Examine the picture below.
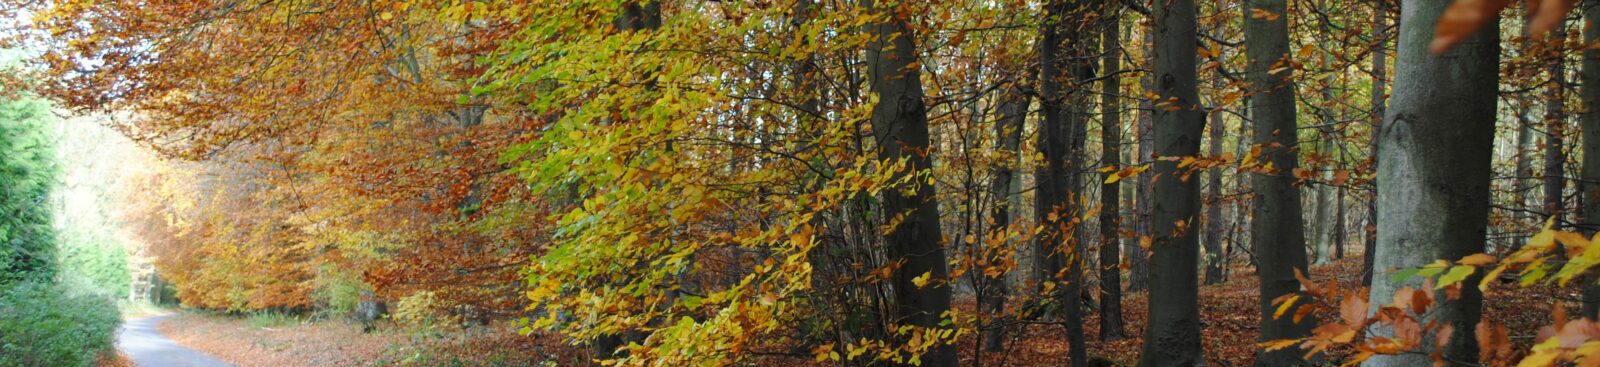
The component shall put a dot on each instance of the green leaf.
(1456, 275)
(1403, 275)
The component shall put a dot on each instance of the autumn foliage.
(724, 182)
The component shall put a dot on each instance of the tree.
(1111, 158)
(1173, 333)
(900, 127)
(1278, 230)
(1589, 125)
(1555, 124)
(1065, 66)
(1433, 193)
(26, 174)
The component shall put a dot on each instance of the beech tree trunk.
(1380, 77)
(1110, 208)
(900, 128)
(1008, 134)
(1172, 335)
(1214, 219)
(1434, 181)
(1519, 185)
(1555, 159)
(1064, 62)
(1278, 231)
(1589, 122)
(1138, 258)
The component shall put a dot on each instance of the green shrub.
(266, 319)
(48, 325)
(338, 292)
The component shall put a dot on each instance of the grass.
(271, 319)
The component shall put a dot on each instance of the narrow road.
(148, 348)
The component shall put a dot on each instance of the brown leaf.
(1461, 20)
(1354, 311)
(1546, 15)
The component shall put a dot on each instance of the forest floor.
(1229, 316)
(1228, 320)
(246, 342)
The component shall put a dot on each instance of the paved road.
(148, 348)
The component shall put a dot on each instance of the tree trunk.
(1278, 231)
(1436, 148)
(1214, 219)
(900, 128)
(1110, 208)
(1338, 223)
(1063, 59)
(1172, 335)
(1380, 56)
(1519, 185)
(1138, 258)
(1322, 224)
(1555, 159)
(1589, 120)
(1008, 135)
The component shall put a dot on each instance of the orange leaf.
(1461, 20)
(1476, 260)
(1546, 15)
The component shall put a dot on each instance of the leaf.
(1461, 19)
(1404, 274)
(1353, 310)
(1476, 260)
(1483, 284)
(1455, 276)
(1546, 15)
(1263, 14)
(922, 280)
(1285, 306)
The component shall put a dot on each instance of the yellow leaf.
(1284, 307)
(1483, 285)
(922, 281)
(1476, 260)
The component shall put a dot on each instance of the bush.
(271, 319)
(48, 325)
(421, 311)
(337, 292)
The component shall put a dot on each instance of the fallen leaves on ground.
(337, 343)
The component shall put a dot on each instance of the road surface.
(148, 348)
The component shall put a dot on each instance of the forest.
(801, 182)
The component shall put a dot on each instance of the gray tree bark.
(1110, 208)
(1172, 335)
(1589, 122)
(1434, 181)
(1215, 222)
(1278, 231)
(900, 128)
(1380, 77)
(1555, 119)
